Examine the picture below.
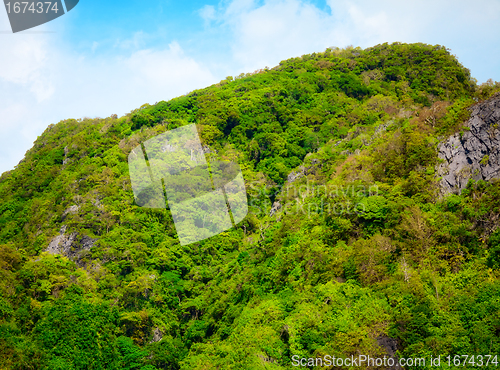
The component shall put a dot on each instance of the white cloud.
(23, 60)
(279, 29)
(41, 82)
(238, 7)
(168, 69)
(266, 33)
(207, 13)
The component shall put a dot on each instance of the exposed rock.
(73, 209)
(275, 208)
(391, 346)
(55, 243)
(473, 153)
(66, 152)
(206, 149)
(86, 242)
(157, 335)
(97, 203)
(303, 171)
(295, 175)
(383, 127)
(73, 246)
(267, 359)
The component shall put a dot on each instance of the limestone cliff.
(473, 153)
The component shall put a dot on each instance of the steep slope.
(474, 152)
(345, 250)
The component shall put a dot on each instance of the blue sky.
(107, 57)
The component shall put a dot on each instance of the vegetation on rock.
(359, 248)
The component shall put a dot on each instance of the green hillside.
(347, 246)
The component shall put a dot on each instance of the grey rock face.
(157, 335)
(294, 175)
(391, 347)
(73, 209)
(475, 154)
(72, 246)
(66, 159)
(304, 171)
(275, 208)
(206, 149)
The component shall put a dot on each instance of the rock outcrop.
(275, 208)
(73, 246)
(71, 210)
(304, 171)
(157, 335)
(390, 345)
(474, 153)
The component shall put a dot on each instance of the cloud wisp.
(44, 80)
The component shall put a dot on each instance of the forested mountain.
(352, 246)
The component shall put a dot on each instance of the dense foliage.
(358, 245)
